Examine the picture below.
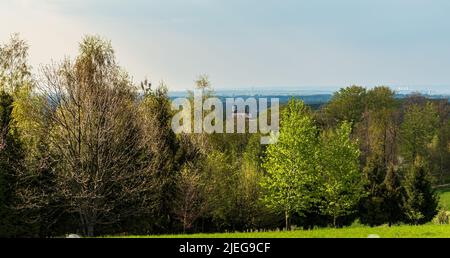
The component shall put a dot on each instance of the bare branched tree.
(190, 204)
(14, 68)
(94, 137)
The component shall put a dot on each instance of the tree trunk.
(90, 230)
(184, 223)
(287, 218)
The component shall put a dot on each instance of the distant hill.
(310, 97)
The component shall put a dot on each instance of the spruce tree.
(11, 160)
(5, 166)
(393, 196)
(420, 201)
(372, 210)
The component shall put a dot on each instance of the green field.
(358, 231)
(445, 198)
(424, 231)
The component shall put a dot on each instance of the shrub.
(443, 217)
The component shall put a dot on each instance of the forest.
(84, 149)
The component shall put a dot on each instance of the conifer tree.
(373, 205)
(421, 201)
(393, 196)
(7, 162)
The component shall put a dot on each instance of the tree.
(257, 215)
(14, 69)
(94, 137)
(190, 203)
(417, 130)
(291, 164)
(163, 156)
(232, 199)
(9, 161)
(420, 201)
(200, 141)
(15, 83)
(393, 196)
(380, 97)
(377, 130)
(372, 210)
(341, 179)
(383, 203)
(440, 152)
(348, 104)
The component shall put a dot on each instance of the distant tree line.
(85, 150)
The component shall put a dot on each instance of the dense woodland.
(83, 149)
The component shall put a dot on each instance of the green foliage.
(347, 104)
(81, 151)
(383, 203)
(421, 200)
(162, 154)
(6, 167)
(417, 130)
(380, 98)
(11, 166)
(440, 151)
(222, 174)
(373, 206)
(30, 120)
(393, 195)
(442, 218)
(291, 163)
(378, 129)
(341, 180)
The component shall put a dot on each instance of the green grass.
(445, 198)
(357, 231)
(424, 231)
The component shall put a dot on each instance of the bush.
(443, 217)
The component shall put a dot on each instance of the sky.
(315, 44)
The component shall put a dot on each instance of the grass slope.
(404, 231)
(424, 231)
(444, 198)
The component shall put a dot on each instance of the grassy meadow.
(356, 231)
(404, 231)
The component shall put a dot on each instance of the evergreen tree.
(12, 221)
(6, 167)
(421, 201)
(163, 157)
(373, 210)
(393, 196)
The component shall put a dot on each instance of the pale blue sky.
(250, 43)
